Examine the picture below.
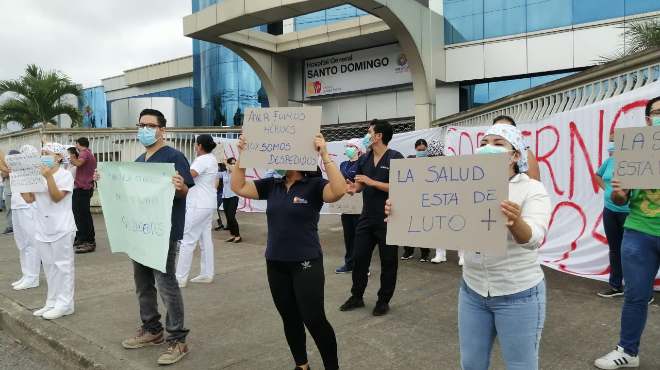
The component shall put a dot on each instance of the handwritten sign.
(25, 176)
(219, 152)
(348, 204)
(449, 202)
(637, 157)
(137, 207)
(281, 138)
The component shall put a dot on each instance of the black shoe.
(381, 309)
(7, 231)
(611, 293)
(651, 300)
(221, 227)
(352, 304)
(407, 256)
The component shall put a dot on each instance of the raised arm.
(239, 185)
(337, 184)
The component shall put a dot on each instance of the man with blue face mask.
(151, 134)
(349, 169)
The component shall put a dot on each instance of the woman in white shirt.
(504, 296)
(23, 221)
(230, 203)
(55, 230)
(200, 206)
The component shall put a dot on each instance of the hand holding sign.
(25, 175)
(637, 156)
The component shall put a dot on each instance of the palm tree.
(37, 97)
(638, 36)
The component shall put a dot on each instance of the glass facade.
(470, 20)
(94, 109)
(223, 83)
(476, 94)
(327, 16)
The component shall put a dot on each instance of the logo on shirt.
(384, 168)
(299, 200)
(306, 265)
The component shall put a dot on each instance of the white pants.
(57, 259)
(440, 252)
(199, 222)
(24, 237)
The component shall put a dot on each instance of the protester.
(353, 152)
(23, 223)
(504, 296)
(640, 259)
(527, 163)
(82, 194)
(372, 180)
(294, 259)
(151, 134)
(421, 151)
(73, 154)
(230, 203)
(614, 217)
(220, 185)
(200, 206)
(54, 232)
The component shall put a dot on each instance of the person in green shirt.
(640, 258)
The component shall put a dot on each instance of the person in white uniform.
(200, 206)
(22, 220)
(54, 232)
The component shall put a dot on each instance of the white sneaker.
(56, 313)
(182, 283)
(439, 259)
(40, 312)
(27, 285)
(616, 360)
(18, 281)
(202, 279)
(460, 261)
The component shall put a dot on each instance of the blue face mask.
(491, 149)
(350, 152)
(655, 121)
(421, 154)
(610, 147)
(366, 141)
(147, 136)
(48, 161)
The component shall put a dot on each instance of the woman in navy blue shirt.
(294, 259)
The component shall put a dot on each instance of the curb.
(55, 342)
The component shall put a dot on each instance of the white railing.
(569, 93)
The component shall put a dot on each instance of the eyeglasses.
(147, 125)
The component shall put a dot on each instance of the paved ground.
(234, 324)
(15, 356)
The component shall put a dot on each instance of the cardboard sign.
(637, 157)
(348, 204)
(219, 152)
(25, 176)
(449, 202)
(137, 208)
(281, 138)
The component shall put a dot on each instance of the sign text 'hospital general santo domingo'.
(357, 70)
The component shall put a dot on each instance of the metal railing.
(569, 93)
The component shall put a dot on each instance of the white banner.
(357, 70)
(570, 147)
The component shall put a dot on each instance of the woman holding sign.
(504, 296)
(200, 206)
(294, 259)
(55, 230)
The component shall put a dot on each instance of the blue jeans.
(516, 319)
(640, 256)
(613, 224)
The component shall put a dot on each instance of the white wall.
(125, 112)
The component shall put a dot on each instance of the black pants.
(219, 204)
(230, 205)
(298, 292)
(613, 223)
(349, 223)
(83, 216)
(367, 235)
(411, 250)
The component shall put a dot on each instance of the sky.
(90, 40)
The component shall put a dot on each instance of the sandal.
(238, 239)
(230, 240)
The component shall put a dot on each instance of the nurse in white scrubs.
(23, 222)
(200, 207)
(54, 232)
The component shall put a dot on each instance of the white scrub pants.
(24, 238)
(57, 259)
(197, 228)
